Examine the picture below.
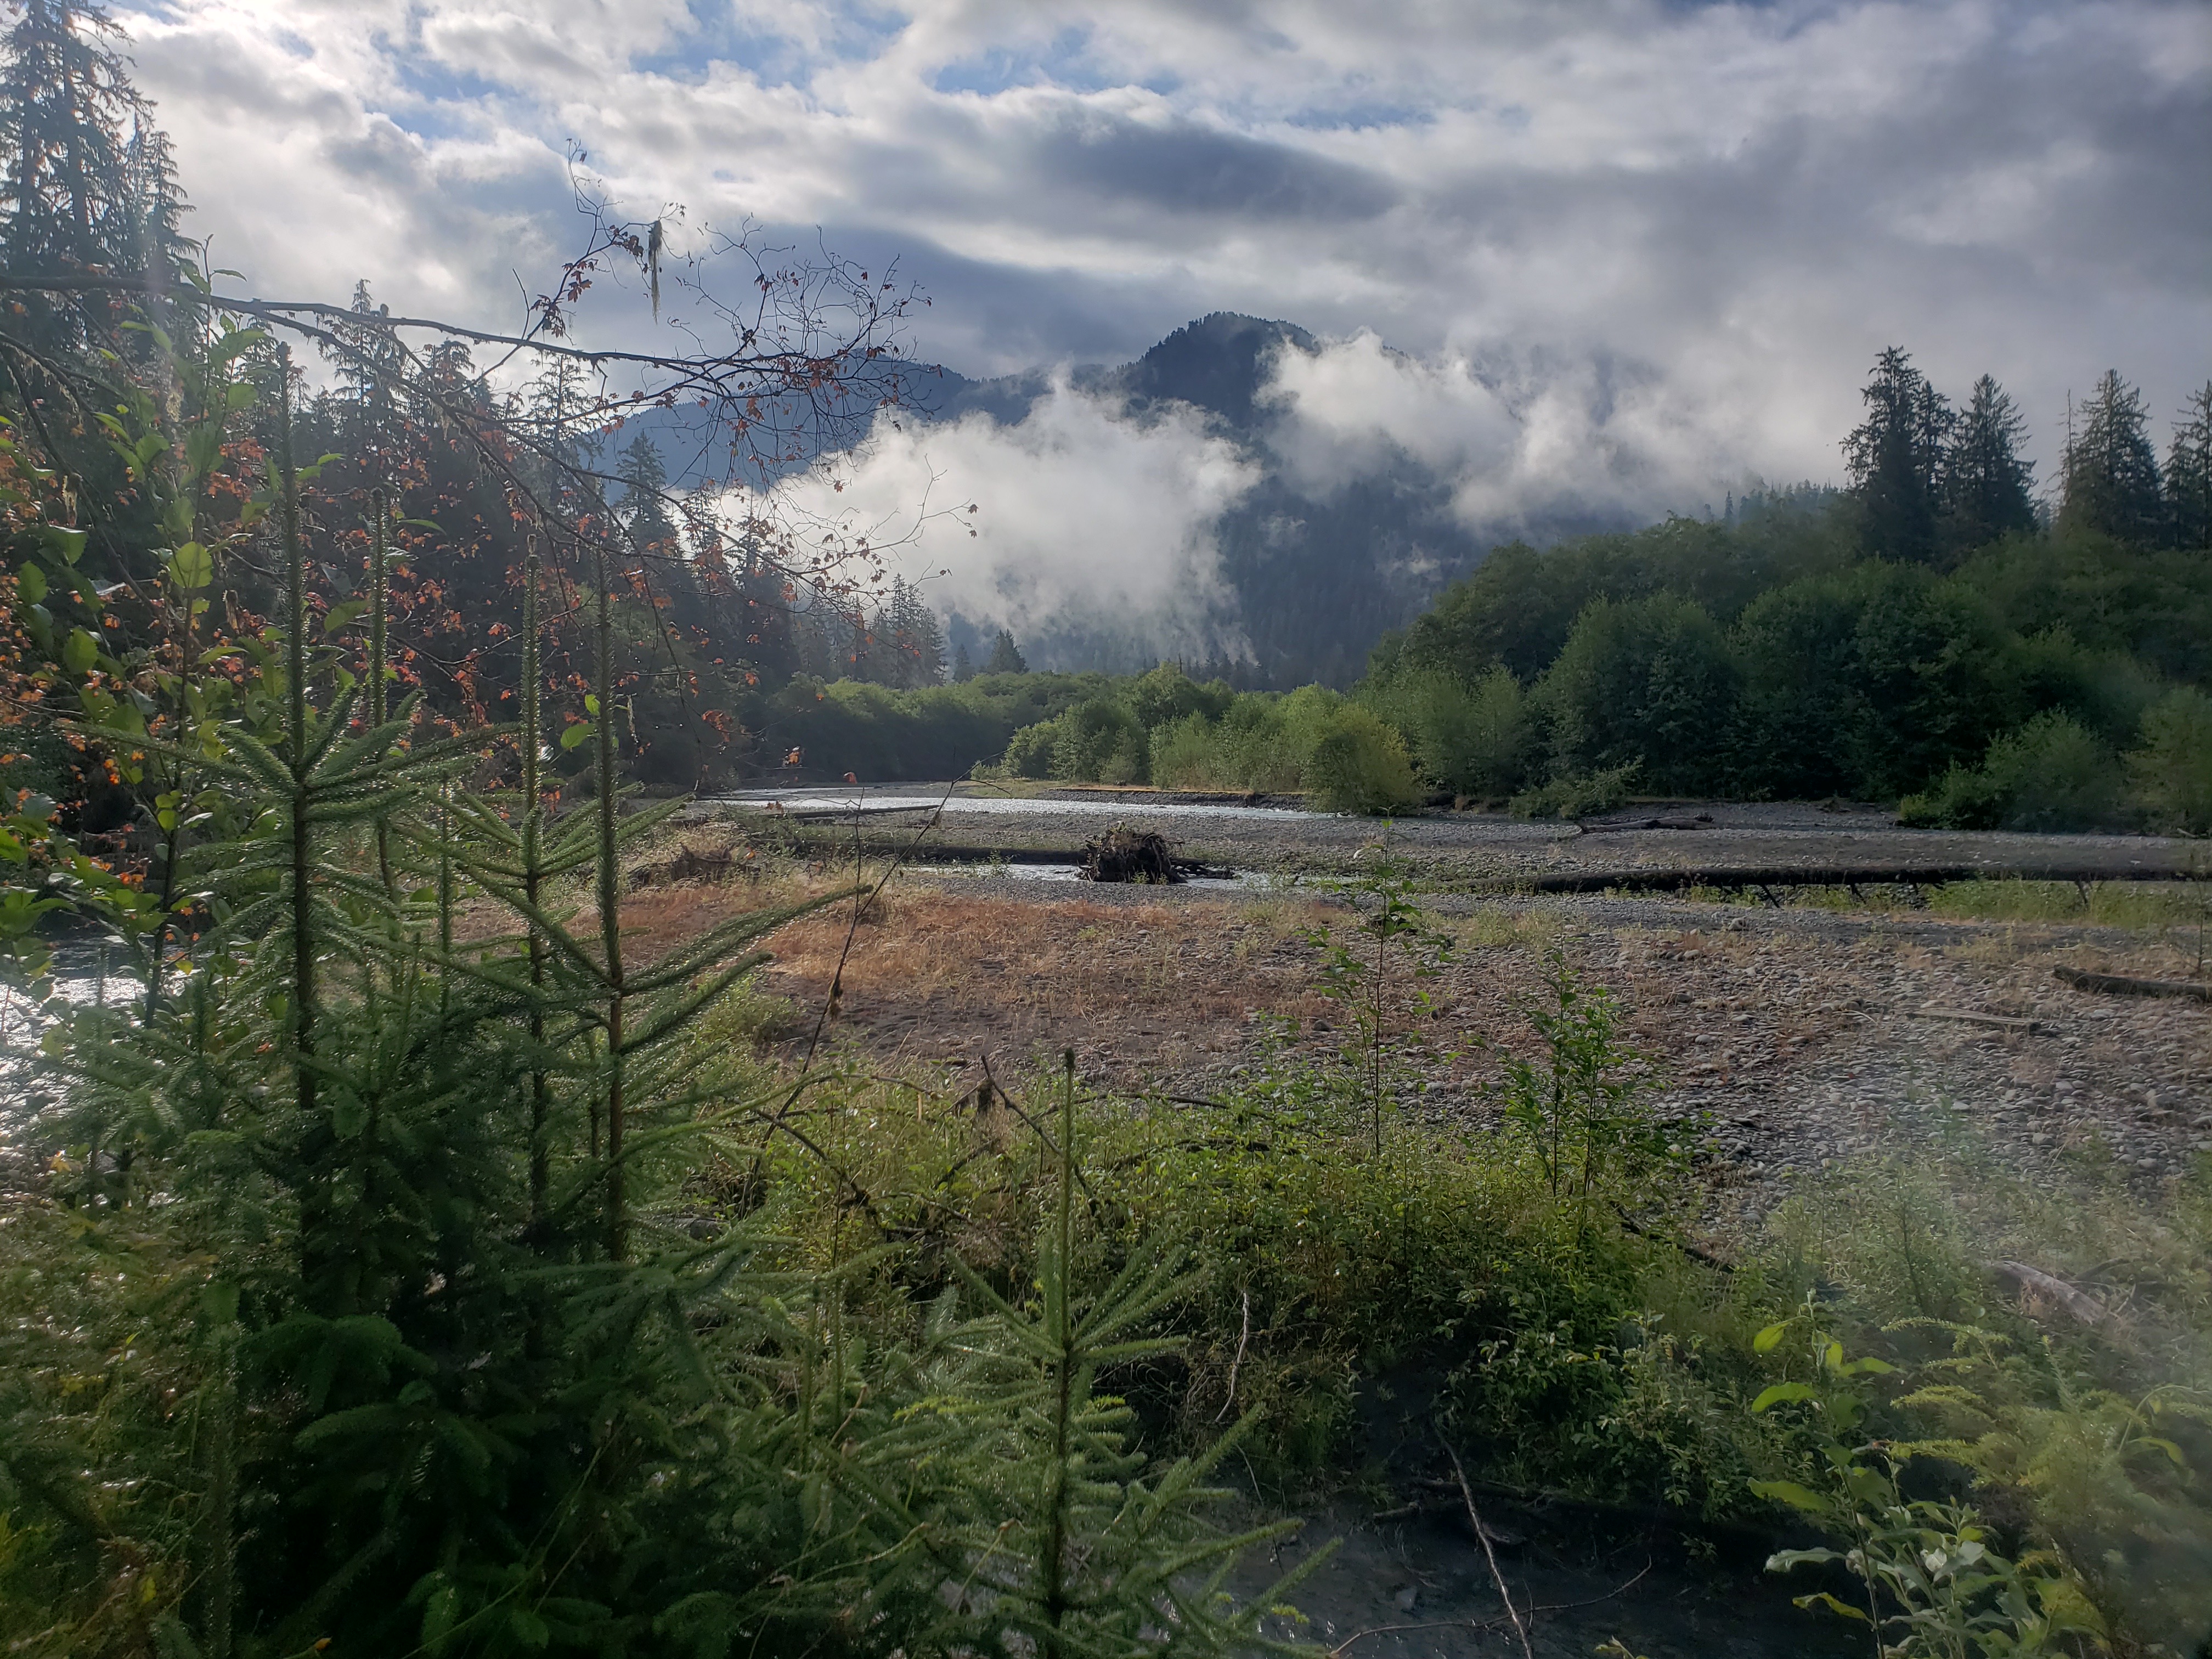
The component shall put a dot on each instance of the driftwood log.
(1614, 826)
(2127, 985)
(1973, 1016)
(1651, 880)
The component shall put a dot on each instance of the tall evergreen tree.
(2112, 479)
(2189, 475)
(367, 367)
(1005, 656)
(645, 484)
(1986, 484)
(87, 179)
(1896, 456)
(916, 641)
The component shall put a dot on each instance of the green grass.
(2142, 905)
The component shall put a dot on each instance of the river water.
(844, 800)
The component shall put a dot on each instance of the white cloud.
(1343, 411)
(1748, 199)
(1086, 516)
(1518, 439)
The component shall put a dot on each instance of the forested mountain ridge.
(1317, 574)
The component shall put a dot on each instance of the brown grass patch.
(1132, 988)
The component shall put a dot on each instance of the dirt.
(1796, 1036)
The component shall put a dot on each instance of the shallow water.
(77, 979)
(1243, 880)
(906, 798)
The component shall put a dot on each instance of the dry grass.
(940, 975)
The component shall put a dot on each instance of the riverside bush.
(2051, 774)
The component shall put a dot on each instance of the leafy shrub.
(1868, 681)
(1575, 796)
(1099, 741)
(1167, 694)
(1648, 682)
(1474, 741)
(2051, 774)
(1029, 754)
(1359, 765)
(1185, 756)
(2171, 768)
(886, 735)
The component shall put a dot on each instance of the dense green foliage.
(1164, 728)
(1870, 679)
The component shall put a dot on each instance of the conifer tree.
(645, 484)
(1986, 484)
(917, 643)
(2112, 479)
(1005, 656)
(1896, 456)
(90, 184)
(2189, 475)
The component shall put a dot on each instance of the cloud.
(1519, 439)
(1746, 200)
(1089, 521)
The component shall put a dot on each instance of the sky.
(1710, 216)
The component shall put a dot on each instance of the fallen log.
(2127, 985)
(1971, 1017)
(2076, 1301)
(1615, 826)
(1677, 879)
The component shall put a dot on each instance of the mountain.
(1315, 574)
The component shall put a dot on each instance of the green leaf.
(1781, 1391)
(80, 652)
(1782, 1560)
(192, 566)
(1789, 1492)
(1821, 1598)
(339, 615)
(580, 732)
(61, 539)
(590, 704)
(30, 584)
(1770, 1339)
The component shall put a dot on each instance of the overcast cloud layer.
(1704, 219)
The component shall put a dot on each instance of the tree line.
(1912, 637)
(1935, 634)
